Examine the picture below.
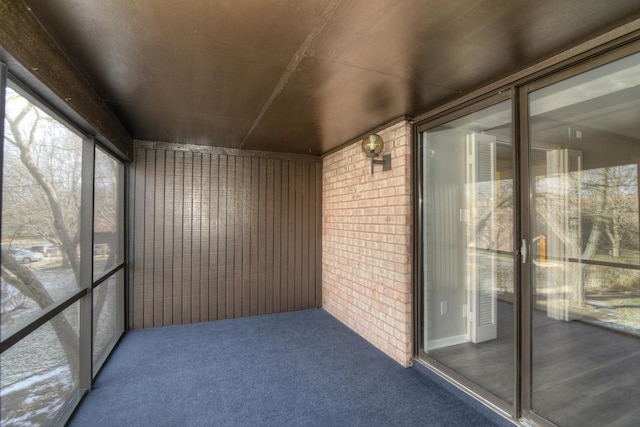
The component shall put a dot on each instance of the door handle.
(523, 251)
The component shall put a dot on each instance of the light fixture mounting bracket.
(385, 162)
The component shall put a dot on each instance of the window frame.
(118, 267)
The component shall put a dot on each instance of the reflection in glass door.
(468, 238)
(584, 152)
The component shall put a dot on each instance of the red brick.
(366, 243)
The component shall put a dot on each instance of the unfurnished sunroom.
(168, 165)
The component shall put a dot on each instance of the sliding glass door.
(468, 190)
(529, 236)
(584, 152)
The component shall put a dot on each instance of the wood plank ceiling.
(304, 76)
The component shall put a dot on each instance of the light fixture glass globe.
(372, 145)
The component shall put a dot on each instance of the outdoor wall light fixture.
(372, 145)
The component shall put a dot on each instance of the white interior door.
(481, 246)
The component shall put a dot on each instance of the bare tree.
(43, 202)
(23, 279)
(621, 205)
(603, 199)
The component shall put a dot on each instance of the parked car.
(101, 249)
(25, 256)
(47, 249)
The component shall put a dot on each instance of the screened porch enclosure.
(63, 262)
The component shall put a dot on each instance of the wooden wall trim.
(206, 149)
(35, 59)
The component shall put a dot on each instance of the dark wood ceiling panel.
(326, 103)
(164, 67)
(304, 76)
(457, 44)
(391, 40)
(232, 90)
(184, 126)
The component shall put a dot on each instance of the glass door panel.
(468, 238)
(584, 151)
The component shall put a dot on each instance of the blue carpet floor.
(290, 369)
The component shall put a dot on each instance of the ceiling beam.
(35, 59)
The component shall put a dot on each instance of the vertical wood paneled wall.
(218, 233)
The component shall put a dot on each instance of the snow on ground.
(36, 400)
(35, 376)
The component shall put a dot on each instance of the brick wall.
(366, 243)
